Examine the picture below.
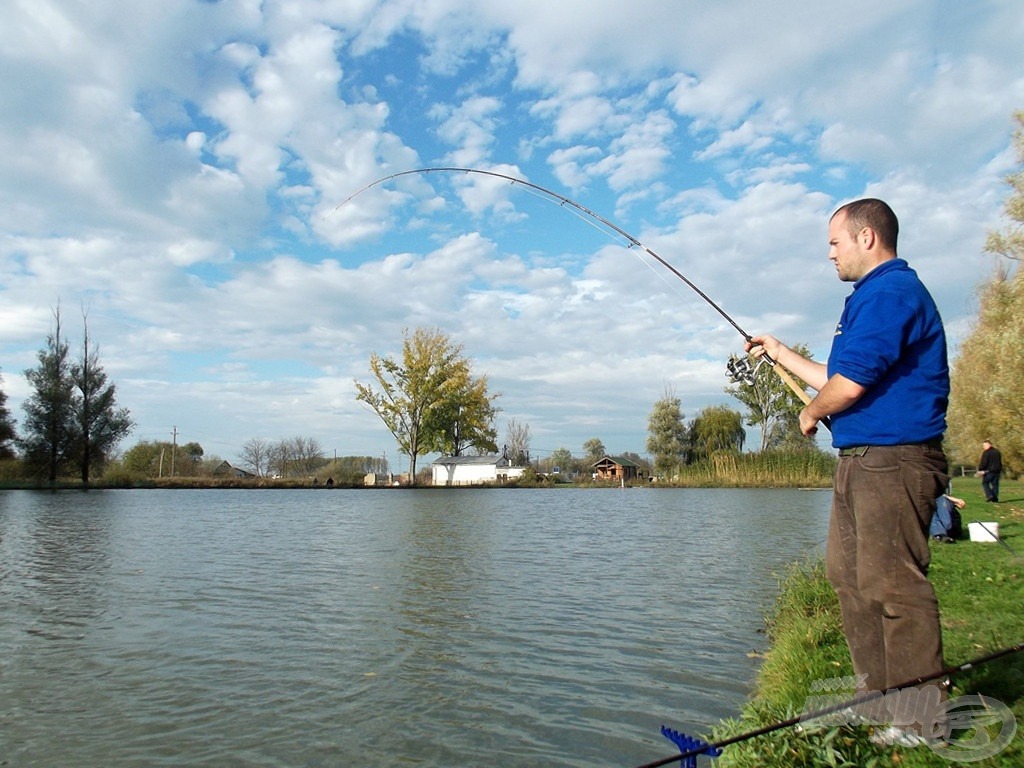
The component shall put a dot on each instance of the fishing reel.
(742, 370)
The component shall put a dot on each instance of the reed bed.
(767, 469)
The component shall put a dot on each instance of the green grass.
(981, 594)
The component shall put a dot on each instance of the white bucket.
(983, 531)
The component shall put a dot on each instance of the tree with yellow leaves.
(430, 400)
(987, 378)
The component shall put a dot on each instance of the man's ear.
(867, 238)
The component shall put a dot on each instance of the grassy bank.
(981, 593)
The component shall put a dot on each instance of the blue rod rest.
(689, 744)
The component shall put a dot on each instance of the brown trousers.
(877, 560)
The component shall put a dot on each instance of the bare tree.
(256, 456)
(295, 456)
(517, 446)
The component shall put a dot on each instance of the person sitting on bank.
(947, 525)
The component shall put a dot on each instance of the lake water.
(387, 627)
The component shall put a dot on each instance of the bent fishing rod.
(865, 698)
(562, 200)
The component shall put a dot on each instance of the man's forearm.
(815, 374)
(838, 394)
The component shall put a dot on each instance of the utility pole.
(174, 447)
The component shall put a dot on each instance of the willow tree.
(715, 429)
(987, 377)
(594, 450)
(429, 398)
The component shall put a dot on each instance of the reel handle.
(787, 377)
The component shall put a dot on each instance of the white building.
(473, 470)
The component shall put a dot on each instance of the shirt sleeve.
(875, 334)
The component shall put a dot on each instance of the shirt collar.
(886, 266)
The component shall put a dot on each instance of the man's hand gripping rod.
(741, 370)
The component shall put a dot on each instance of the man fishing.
(885, 388)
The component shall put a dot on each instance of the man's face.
(847, 251)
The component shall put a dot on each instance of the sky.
(176, 177)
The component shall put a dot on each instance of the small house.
(473, 470)
(225, 468)
(616, 468)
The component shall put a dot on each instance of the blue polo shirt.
(890, 340)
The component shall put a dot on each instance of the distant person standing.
(990, 467)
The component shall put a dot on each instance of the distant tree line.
(431, 402)
(159, 458)
(673, 443)
(303, 457)
(8, 435)
(290, 457)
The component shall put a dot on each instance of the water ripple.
(380, 628)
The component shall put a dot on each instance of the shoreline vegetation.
(728, 469)
(980, 587)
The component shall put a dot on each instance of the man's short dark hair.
(875, 214)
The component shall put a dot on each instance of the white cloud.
(468, 128)
(178, 169)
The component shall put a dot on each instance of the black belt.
(860, 450)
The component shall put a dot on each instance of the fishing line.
(591, 217)
(627, 244)
(833, 708)
(551, 194)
